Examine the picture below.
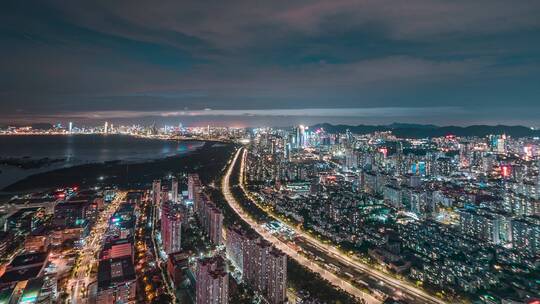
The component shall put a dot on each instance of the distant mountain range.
(420, 131)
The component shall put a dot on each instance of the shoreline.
(206, 159)
(114, 134)
(12, 173)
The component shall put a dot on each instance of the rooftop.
(28, 259)
(22, 274)
(114, 271)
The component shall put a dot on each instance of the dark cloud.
(68, 58)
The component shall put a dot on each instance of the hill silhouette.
(420, 131)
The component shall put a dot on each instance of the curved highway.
(419, 295)
(334, 279)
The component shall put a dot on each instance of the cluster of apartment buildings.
(261, 265)
(356, 189)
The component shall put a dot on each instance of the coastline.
(154, 137)
(19, 164)
(207, 160)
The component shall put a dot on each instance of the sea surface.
(82, 149)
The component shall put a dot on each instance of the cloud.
(313, 112)
(122, 56)
(418, 18)
(238, 23)
(288, 117)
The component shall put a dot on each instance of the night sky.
(271, 62)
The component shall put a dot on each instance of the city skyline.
(279, 152)
(410, 214)
(248, 64)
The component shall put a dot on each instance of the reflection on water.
(69, 149)
(80, 149)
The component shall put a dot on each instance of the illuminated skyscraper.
(211, 219)
(171, 227)
(215, 225)
(277, 277)
(526, 236)
(212, 285)
(234, 245)
(174, 189)
(265, 269)
(165, 194)
(350, 161)
(194, 190)
(156, 192)
(501, 144)
(300, 137)
(286, 148)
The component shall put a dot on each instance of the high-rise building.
(287, 151)
(277, 277)
(211, 219)
(165, 194)
(265, 269)
(212, 285)
(234, 245)
(501, 144)
(260, 256)
(249, 267)
(526, 236)
(156, 192)
(174, 189)
(194, 190)
(70, 129)
(350, 161)
(300, 140)
(215, 225)
(481, 226)
(171, 227)
(178, 267)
